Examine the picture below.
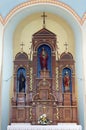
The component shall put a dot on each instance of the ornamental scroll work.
(48, 83)
(31, 78)
(30, 113)
(57, 79)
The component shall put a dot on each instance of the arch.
(17, 15)
(47, 43)
(67, 56)
(32, 3)
(21, 56)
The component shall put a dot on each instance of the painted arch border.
(34, 2)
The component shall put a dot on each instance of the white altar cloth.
(43, 127)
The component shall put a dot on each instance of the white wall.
(1, 48)
(84, 63)
(80, 75)
(7, 75)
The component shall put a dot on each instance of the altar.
(27, 126)
(44, 85)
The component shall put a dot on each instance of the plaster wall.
(1, 50)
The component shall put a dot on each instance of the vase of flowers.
(43, 120)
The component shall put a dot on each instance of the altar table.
(43, 127)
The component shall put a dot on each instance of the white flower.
(44, 115)
(43, 120)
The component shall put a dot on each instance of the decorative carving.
(30, 113)
(57, 79)
(57, 113)
(45, 88)
(31, 78)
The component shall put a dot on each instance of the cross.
(44, 16)
(66, 47)
(22, 44)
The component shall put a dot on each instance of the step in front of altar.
(28, 126)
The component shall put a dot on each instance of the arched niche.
(8, 36)
(48, 61)
(67, 80)
(21, 72)
(66, 64)
(21, 80)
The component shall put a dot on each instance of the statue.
(21, 82)
(66, 82)
(43, 59)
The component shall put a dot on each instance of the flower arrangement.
(43, 120)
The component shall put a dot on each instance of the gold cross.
(44, 16)
(22, 44)
(66, 47)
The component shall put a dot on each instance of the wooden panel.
(21, 115)
(68, 114)
(74, 113)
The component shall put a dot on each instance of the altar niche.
(21, 80)
(67, 83)
(44, 59)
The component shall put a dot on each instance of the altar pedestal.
(44, 74)
(21, 99)
(67, 98)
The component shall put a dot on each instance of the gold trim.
(30, 113)
(57, 78)
(31, 78)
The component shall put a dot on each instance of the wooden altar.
(43, 90)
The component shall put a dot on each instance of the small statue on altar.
(21, 82)
(66, 82)
(43, 59)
